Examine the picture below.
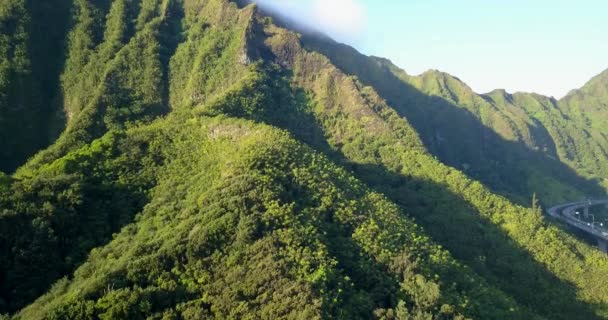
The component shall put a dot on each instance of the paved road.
(566, 213)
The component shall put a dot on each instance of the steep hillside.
(482, 229)
(588, 104)
(579, 142)
(246, 222)
(588, 107)
(32, 38)
(216, 165)
(517, 144)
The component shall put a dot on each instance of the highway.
(568, 213)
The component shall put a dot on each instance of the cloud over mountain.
(344, 20)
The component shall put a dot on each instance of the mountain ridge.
(224, 166)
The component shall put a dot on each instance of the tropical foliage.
(216, 165)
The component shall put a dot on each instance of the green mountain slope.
(32, 37)
(245, 221)
(588, 105)
(517, 144)
(215, 165)
(588, 108)
(385, 152)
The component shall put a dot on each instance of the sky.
(544, 46)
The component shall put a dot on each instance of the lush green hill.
(588, 105)
(517, 144)
(216, 165)
(588, 108)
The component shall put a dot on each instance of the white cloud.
(344, 20)
(344, 17)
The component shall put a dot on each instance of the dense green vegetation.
(388, 155)
(517, 144)
(587, 107)
(215, 165)
(242, 211)
(32, 38)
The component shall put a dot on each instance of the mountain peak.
(597, 87)
(500, 92)
(599, 80)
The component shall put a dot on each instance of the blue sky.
(544, 46)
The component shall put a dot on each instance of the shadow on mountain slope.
(448, 218)
(55, 233)
(477, 242)
(31, 118)
(459, 139)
